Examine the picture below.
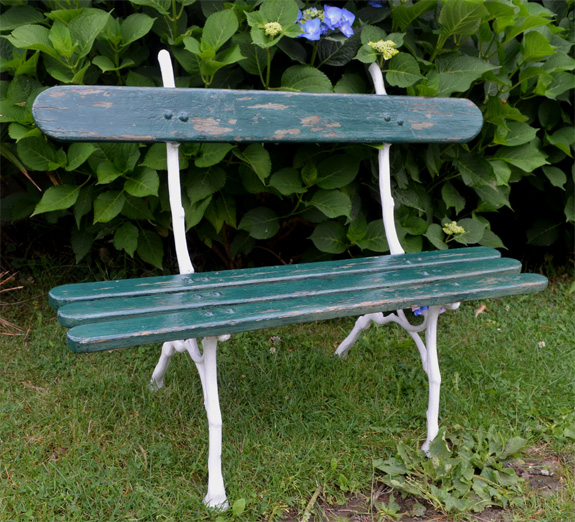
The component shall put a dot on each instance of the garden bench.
(176, 310)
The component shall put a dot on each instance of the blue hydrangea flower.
(311, 29)
(377, 3)
(315, 22)
(419, 310)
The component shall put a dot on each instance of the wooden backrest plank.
(144, 114)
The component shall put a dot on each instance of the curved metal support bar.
(387, 202)
(175, 190)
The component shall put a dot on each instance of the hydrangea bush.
(263, 204)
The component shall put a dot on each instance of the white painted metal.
(178, 212)
(427, 349)
(206, 362)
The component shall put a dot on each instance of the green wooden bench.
(176, 310)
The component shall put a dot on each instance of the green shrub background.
(249, 204)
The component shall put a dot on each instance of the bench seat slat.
(65, 294)
(96, 113)
(220, 320)
(117, 308)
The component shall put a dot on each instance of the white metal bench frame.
(205, 359)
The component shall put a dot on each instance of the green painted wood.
(219, 320)
(65, 294)
(279, 292)
(144, 114)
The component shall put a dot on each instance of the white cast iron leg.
(207, 368)
(168, 350)
(433, 375)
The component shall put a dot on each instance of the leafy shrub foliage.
(511, 57)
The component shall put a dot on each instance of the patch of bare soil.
(540, 470)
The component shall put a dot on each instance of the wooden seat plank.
(94, 291)
(84, 113)
(117, 308)
(220, 320)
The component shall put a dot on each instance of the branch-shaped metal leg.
(207, 368)
(431, 367)
(427, 351)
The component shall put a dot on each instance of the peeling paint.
(422, 125)
(105, 105)
(209, 126)
(280, 133)
(273, 106)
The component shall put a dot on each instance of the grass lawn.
(83, 438)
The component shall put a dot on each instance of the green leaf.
(258, 158)
(458, 72)
(196, 211)
(136, 208)
(496, 197)
(108, 205)
(142, 182)
(536, 46)
(332, 203)
(330, 237)
(136, 26)
(239, 506)
(403, 71)
(303, 78)
(205, 182)
(261, 223)
(218, 29)
(86, 28)
(556, 176)
(375, 238)
(570, 209)
(544, 233)
(35, 37)
(366, 54)
(38, 154)
(475, 170)
(491, 240)
(515, 133)
(59, 197)
(563, 139)
(527, 157)
(126, 238)
(562, 82)
(473, 231)
(107, 172)
(212, 153)
(284, 12)
(452, 198)
(62, 40)
(161, 6)
(150, 248)
(19, 15)
(337, 171)
(78, 153)
(350, 83)
(155, 158)
(83, 204)
(222, 210)
(403, 15)
(287, 181)
(461, 17)
(81, 242)
(436, 236)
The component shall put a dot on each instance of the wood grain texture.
(209, 281)
(93, 311)
(144, 114)
(219, 320)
